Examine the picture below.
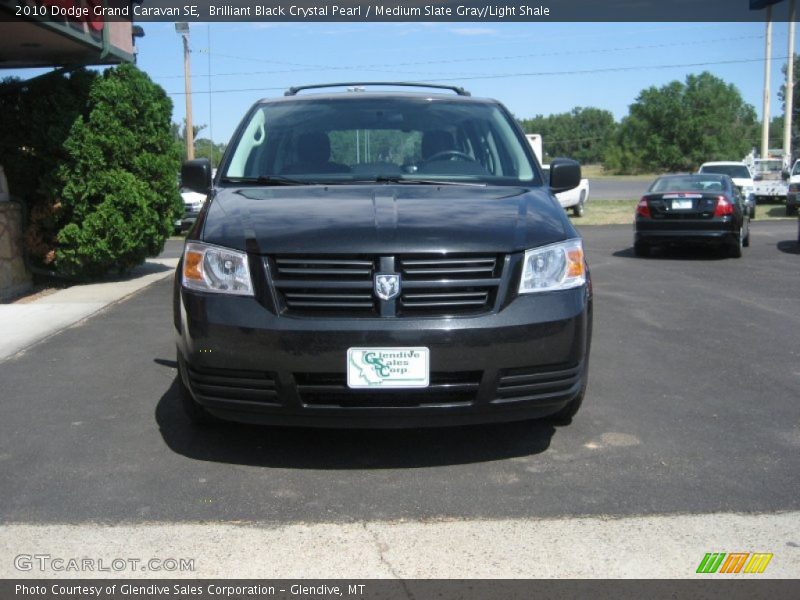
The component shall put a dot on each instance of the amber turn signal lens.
(576, 265)
(193, 266)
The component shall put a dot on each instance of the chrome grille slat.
(431, 285)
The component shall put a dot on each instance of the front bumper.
(243, 362)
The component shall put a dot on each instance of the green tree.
(203, 148)
(679, 126)
(119, 195)
(795, 109)
(36, 117)
(583, 133)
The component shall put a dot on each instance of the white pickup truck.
(769, 184)
(575, 198)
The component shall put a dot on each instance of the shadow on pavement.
(304, 448)
(677, 253)
(789, 247)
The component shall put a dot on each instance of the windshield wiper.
(266, 180)
(407, 181)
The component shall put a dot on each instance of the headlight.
(555, 267)
(213, 269)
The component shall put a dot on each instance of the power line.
(365, 67)
(530, 74)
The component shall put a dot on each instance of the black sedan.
(690, 209)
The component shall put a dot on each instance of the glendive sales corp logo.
(734, 562)
(387, 367)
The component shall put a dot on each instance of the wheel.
(753, 212)
(197, 414)
(791, 211)
(580, 207)
(735, 247)
(641, 249)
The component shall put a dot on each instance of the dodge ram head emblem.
(387, 285)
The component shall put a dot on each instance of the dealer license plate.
(681, 204)
(388, 367)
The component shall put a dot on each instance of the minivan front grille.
(325, 285)
(436, 285)
(448, 285)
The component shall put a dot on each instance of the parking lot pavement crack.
(381, 549)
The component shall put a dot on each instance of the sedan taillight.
(642, 209)
(724, 207)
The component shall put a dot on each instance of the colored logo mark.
(734, 562)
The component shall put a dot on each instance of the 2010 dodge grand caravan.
(381, 259)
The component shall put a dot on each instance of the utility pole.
(182, 29)
(767, 63)
(210, 119)
(788, 98)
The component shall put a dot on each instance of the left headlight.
(208, 268)
(558, 266)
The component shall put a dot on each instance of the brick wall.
(14, 279)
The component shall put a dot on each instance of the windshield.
(686, 183)
(768, 166)
(345, 140)
(733, 171)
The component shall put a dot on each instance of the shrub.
(120, 195)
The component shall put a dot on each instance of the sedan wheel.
(735, 249)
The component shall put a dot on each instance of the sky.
(533, 68)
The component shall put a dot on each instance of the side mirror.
(785, 175)
(196, 175)
(758, 177)
(565, 174)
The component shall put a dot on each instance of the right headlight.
(558, 266)
(208, 268)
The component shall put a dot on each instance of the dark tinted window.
(357, 139)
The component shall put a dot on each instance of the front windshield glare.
(349, 139)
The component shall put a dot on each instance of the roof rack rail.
(292, 91)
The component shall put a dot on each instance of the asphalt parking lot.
(692, 408)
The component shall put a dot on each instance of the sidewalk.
(24, 324)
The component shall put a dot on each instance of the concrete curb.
(23, 325)
(657, 547)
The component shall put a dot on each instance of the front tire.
(196, 414)
(791, 211)
(580, 208)
(566, 414)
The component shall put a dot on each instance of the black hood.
(375, 219)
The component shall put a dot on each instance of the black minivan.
(381, 259)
